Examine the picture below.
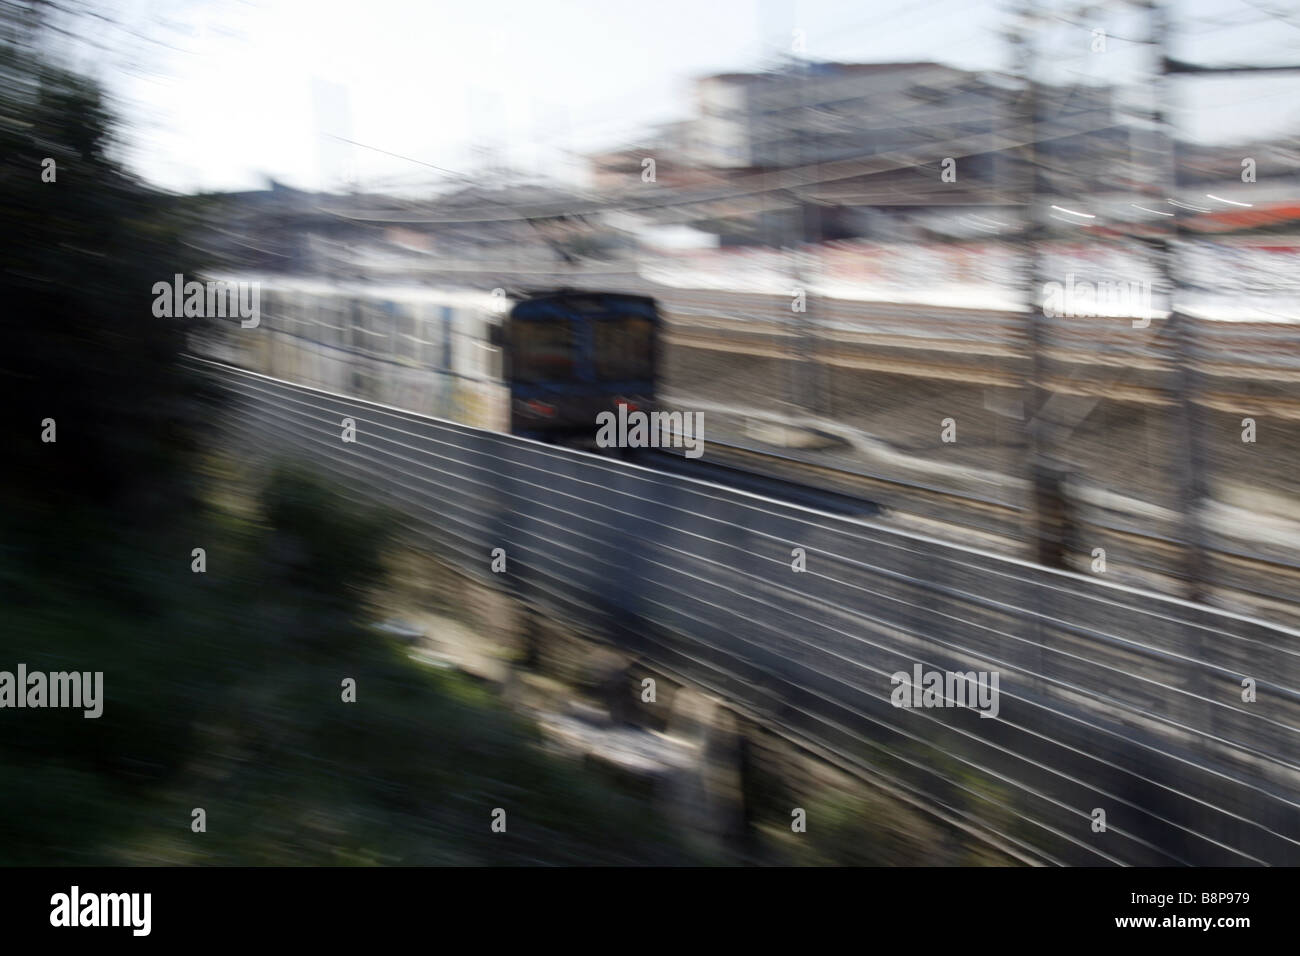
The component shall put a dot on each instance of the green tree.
(81, 246)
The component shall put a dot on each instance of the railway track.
(1247, 367)
(1145, 556)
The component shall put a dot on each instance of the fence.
(1110, 698)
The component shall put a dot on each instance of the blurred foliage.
(227, 695)
(334, 559)
(78, 259)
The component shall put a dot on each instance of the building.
(819, 151)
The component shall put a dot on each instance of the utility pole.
(1192, 484)
(1190, 454)
(1043, 525)
(808, 216)
(791, 115)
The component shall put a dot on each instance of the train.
(558, 365)
(540, 364)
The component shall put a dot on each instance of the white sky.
(221, 94)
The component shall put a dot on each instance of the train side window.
(381, 328)
(361, 326)
(404, 338)
(357, 325)
(447, 319)
(490, 361)
(343, 315)
(491, 337)
(437, 338)
(429, 333)
(333, 322)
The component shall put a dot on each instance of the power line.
(353, 142)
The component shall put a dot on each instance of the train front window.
(542, 351)
(624, 348)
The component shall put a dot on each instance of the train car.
(570, 355)
(541, 364)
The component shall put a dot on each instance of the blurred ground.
(728, 785)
